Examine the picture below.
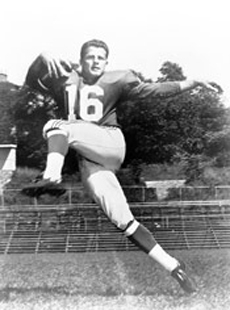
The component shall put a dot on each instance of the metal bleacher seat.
(84, 227)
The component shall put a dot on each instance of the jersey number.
(90, 106)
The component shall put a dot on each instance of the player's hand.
(209, 85)
(56, 67)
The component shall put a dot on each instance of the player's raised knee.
(52, 127)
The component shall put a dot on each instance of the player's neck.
(90, 80)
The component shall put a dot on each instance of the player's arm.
(46, 72)
(190, 84)
(137, 89)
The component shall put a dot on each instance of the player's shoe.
(43, 186)
(182, 278)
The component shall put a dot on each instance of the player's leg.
(49, 182)
(103, 145)
(57, 143)
(107, 192)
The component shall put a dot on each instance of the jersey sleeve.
(134, 88)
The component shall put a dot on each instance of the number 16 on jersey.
(90, 107)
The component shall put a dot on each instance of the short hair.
(96, 43)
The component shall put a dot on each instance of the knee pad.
(53, 127)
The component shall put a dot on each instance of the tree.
(32, 112)
(171, 72)
(150, 125)
(158, 130)
(8, 95)
(218, 143)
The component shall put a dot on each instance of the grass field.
(112, 281)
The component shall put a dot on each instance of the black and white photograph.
(114, 155)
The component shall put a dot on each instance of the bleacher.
(83, 227)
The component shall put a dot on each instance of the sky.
(141, 34)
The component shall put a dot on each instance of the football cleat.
(42, 187)
(182, 278)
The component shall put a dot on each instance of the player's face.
(93, 63)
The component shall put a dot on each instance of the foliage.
(218, 143)
(8, 95)
(171, 72)
(189, 124)
(33, 111)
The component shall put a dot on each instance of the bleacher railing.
(186, 218)
(9, 197)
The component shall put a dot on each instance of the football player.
(89, 96)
